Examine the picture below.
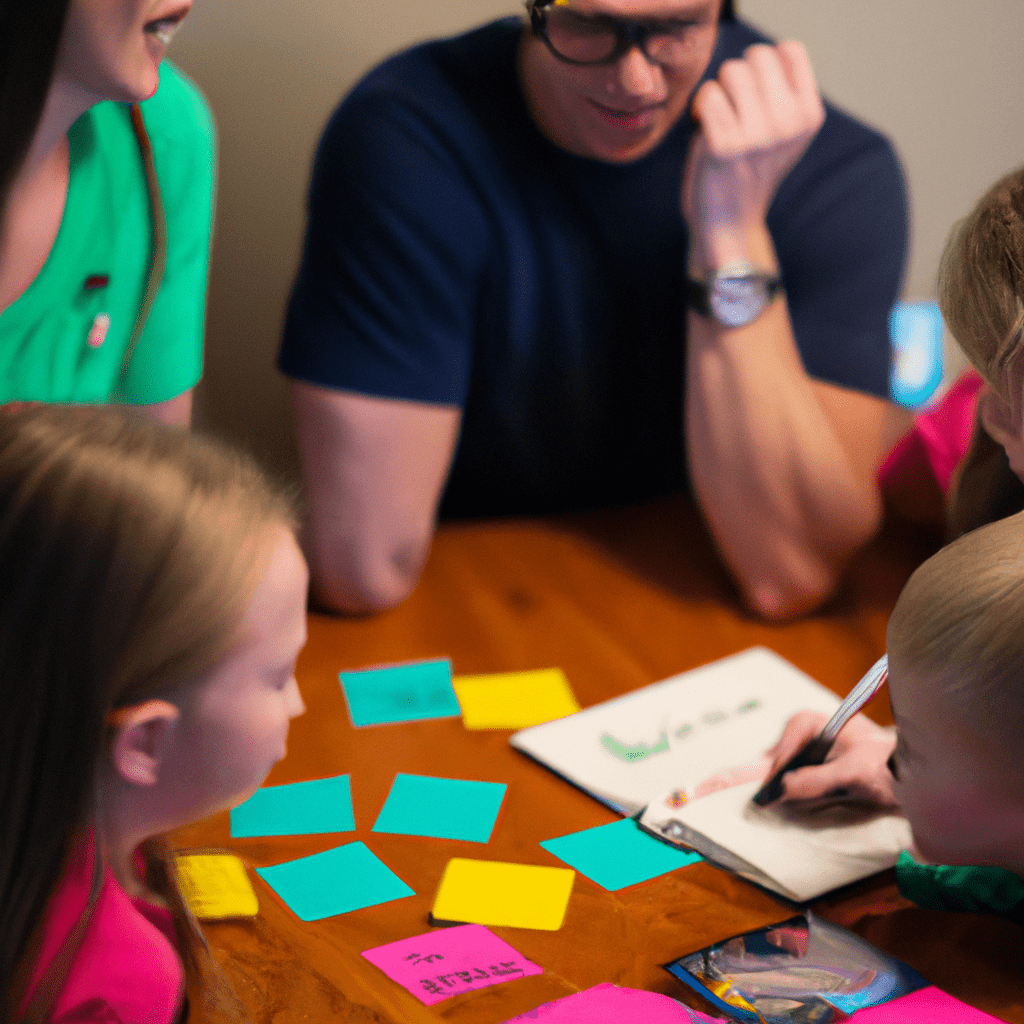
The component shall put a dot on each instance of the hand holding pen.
(849, 764)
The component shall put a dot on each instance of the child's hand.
(855, 770)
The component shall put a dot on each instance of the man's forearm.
(373, 469)
(784, 499)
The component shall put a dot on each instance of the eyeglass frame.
(628, 33)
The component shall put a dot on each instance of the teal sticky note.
(412, 692)
(298, 809)
(618, 854)
(334, 882)
(420, 805)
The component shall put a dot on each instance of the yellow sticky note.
(514, 700)
(216, 885)
(496, 893)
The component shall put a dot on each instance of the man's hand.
(756, 120)
(854, 771)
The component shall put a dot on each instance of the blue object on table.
(915, 330)
(618, 854)
(421, 805)
(297, 809)
(412, 692)
(334, 882)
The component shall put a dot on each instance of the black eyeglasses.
(602, 39)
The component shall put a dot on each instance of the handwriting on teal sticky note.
(420, 805)
(411, 692)
(298, 809)
(334, 882)
(618, 854)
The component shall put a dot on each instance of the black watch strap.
(698, 296)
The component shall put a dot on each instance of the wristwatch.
(735, 296)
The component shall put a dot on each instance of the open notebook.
(646, 754)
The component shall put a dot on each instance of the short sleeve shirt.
(454, 255)
(65, 338)
(127, 969)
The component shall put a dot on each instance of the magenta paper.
(609, 1004)
(449, 961)
(927, 1006)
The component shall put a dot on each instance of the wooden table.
(618, 599)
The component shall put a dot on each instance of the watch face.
(737, 301)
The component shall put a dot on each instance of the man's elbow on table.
(801, 577)
(786, 595)
(362, 583)
(374, 469)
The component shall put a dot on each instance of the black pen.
(817, 749)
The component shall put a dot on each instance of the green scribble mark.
(636, 751)
(683, 731)
(714, 717)
(751, 705)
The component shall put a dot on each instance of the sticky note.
(514, 700)
(420, 805)
(609, 1004)
(411, 692)
(925, 1006)
(450, 961)
(216, 885)
(496, 893)
(618, 854)
(297, 809)
(334, 882)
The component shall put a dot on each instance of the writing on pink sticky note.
(925, 1006)
(609, 1004)
(449, 961)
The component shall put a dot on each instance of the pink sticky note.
(450, 961)
(926, 1005)
(609, 1004)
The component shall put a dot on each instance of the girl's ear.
(998, 419)
(141, 733)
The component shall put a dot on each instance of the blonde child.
(955, 668)
(956, 684)
(152, 606)
(981, 294)
(953, 762)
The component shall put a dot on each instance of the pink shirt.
(941, 435)
(127, 970)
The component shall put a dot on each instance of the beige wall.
(942, 77)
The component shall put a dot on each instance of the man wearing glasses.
(614, 252)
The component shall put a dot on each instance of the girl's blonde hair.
(981, 284)
(128, 552)
(957, 627)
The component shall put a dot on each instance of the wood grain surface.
(618, 599)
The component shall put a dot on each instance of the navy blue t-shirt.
(455, 255)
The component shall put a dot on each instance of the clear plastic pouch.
(805, 970)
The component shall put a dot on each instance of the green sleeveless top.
(65, 338)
